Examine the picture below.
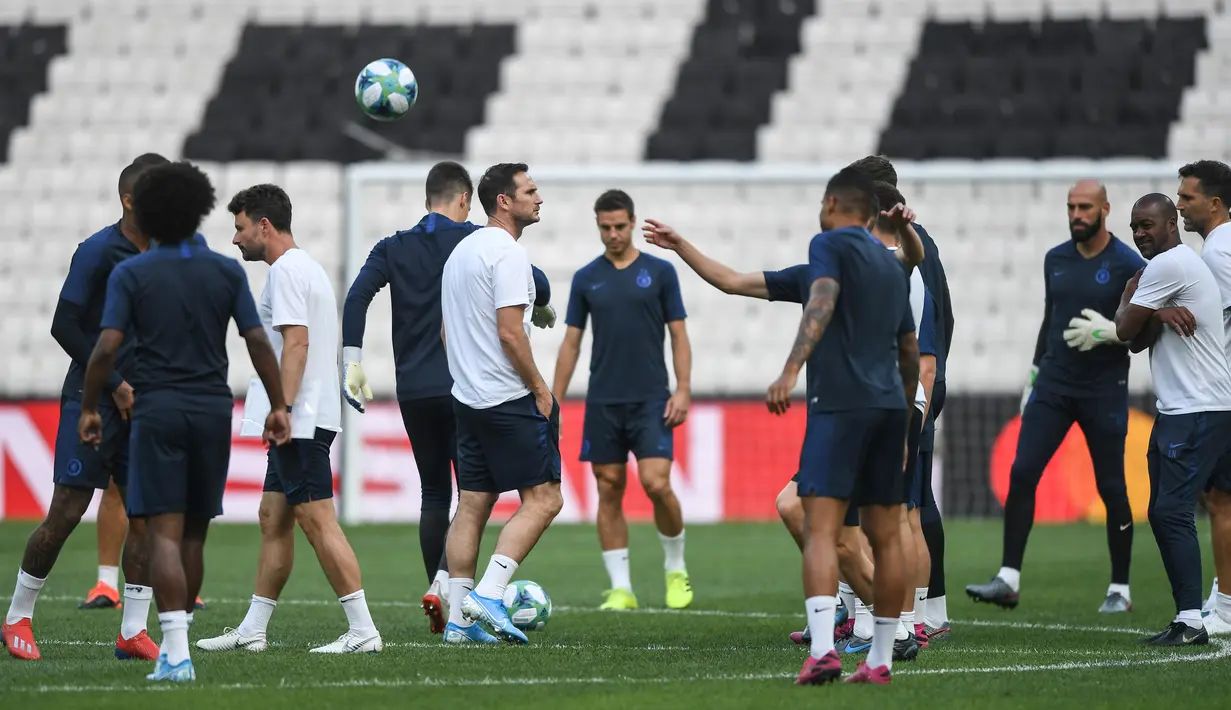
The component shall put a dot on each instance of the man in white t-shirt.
(1193, 383)
(508, 422)
(299, 312)
(1204, 196)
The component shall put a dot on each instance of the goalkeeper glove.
(354, 382)
(1090, 330)
(543, 317)
(1028, 390)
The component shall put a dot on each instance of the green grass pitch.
(730, 650)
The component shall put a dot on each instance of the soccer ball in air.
(528, 605)
(386, 89)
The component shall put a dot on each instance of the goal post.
(381, 198)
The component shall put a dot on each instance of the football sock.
(1192, 617)
(357, 615)
(847, 595)
(616, 562)
(1011, 577)
(1213, 598)
(906, 628)
(190, 616)
(459, 587)
(934, 536)
(174, 636)
(936, 612)
(1122, 590)
(256, 621)
(863, 620)
(24, 596)
(881, 653)
(136, 609)
(921, 598)
(820, 612)
(673, 552)
(1222, 605)
(433, 530)
(499, 571)
(1120, 537)
(442, 579)
(109, 576)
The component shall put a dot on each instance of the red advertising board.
(732, 458)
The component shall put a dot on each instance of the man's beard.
(1086, 233)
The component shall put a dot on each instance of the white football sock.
(820, 612)
(673, 552)
(863, 620)
(1212, 600)
(24, 597)
(1011, 577)
(499, 571)
(356, 607)
(1222, 606)
(847, 594)
(936, 612)
(459, 587)
(256, 621)
(921, 600)
(881, 653)
(191, 616)
(1192, 617)
(1122, 590)
(907, 628)
(109, 576)
(136, 609)
(442, 579)
(616, 562)
(174, 636)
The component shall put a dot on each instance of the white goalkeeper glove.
(543, 317)
(354, 382)
(1028, 390)
(1090, 330)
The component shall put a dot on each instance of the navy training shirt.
(929, 331)
(631, 308)
(858, 353)
(85, 287)
(933, 273)
(176, 301)
(1072, 283)
(411, 262)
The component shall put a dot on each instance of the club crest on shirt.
(643, 278)
(1103, 275)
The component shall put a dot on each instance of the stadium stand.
(262, 92)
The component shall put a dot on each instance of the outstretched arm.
(715, 273)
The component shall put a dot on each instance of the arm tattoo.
(817, 313)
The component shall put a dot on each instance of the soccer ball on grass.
(528, 605)
(386, 89)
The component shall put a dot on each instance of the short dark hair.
(855, 191)
(877, 167)
(143, 162)
(886, 197)
(446, 180)
(613, 200)
(499, 180)
(1214, 177)
(1158, 199)
(268, 201)
(169, 201)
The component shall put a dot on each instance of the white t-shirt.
(1190, 373)
(918, 293)
(488, 270)
(299, 292)
(1217, 255)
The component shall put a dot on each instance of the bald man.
(1079, 375)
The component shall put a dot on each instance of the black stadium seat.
(1089, 89)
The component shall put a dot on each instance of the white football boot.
(351, 643)
(232, 640)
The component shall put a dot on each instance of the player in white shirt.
(508, 422)
(299, 312)
(1204, 197)
(1193, 383)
